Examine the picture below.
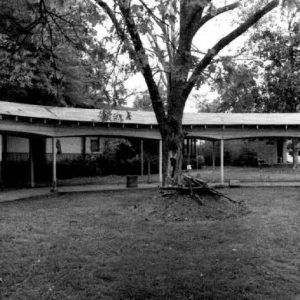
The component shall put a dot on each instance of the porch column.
(83, 146)
(284, 151)
(222, 161)
(213, 155)
(160, 162)
(1, 147)
(3, 155)
(142, 158)
(31, 162)
(188, 141)
(54, 178)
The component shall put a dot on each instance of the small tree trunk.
(295, 153)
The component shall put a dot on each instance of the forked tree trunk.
(171, 172)
(172, 153)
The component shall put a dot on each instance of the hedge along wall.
(242, 152)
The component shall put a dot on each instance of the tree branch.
(143, 62)
(161, 57)
(120, 32)
(200, 22)
(224, 42)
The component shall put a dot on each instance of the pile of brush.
(194, 187)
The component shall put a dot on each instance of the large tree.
(170, 28)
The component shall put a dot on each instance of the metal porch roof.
(146, 118)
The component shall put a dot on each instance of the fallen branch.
(201, 185)
(195, 187)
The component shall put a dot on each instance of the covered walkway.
(33, 121)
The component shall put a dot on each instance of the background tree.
(268, 80)
(236, 84)
(143, 102)
(280, 49)
(50, 54)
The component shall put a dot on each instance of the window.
(95, 145)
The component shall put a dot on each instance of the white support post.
(284, 151)
(54, 178)
(222, 161)
(1, 150)
(196, 153)
(142, 158)
(31, 161)
(3, 155)
(160, 162)
(213, 156)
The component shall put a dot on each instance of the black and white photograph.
(150, 149)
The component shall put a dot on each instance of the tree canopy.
(267, 79)
(50, 54)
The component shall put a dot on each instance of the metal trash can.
(132, 181)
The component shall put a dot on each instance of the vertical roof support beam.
(54, 176)
(160, 162)
(222, 161)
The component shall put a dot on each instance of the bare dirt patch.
(179, 208)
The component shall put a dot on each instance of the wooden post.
(213, 156)
(1, 150)
(31, 162)
(83, 146)
(3, 156)
(142, 158)
(197, 153)
(160, 162)
(149, 171)
(284, 152)
(222, 161)
(54, 178)
(189, 151)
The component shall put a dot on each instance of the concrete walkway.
(21, 194)
(29, 193)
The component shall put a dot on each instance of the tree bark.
(172, 149)
(173, 136)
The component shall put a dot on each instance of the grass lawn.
(245, 174)
(136, 245)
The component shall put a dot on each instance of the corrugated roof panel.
(147, 118)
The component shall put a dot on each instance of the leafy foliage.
(50, 54)
(238, 88)
(143, 102)
(270, 82)
(281, 78)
